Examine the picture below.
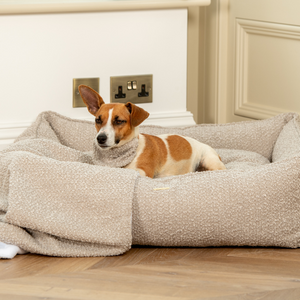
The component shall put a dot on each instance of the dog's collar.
(117, 157)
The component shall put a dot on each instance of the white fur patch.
(108, 130)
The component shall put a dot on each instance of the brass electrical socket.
(133, 88)
(91, 82)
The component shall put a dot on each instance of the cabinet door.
(263, 70)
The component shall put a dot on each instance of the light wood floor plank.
(22, 297)
(157, 273)
(134, 256)
(31, 264)
(244, 264)
(267, 253)
(285, 294)
(144, 255)
(157, 280)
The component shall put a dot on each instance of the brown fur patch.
(153, 157)
(120, 112)
(138, 115)
(124, 131)
(179, 147)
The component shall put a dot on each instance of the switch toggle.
(131, 85)
(134, 85)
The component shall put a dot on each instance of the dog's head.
(116, 123)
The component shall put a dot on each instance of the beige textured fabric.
(54, 200)
(260, 207)
(288, 143)
(118, 157)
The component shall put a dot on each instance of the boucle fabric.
(260, 207)
(55, 200)
(288, 143)
(86, 196)
(118, 157)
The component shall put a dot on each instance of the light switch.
(134, 85)
(91, 82)
(131, 88)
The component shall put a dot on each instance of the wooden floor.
(157, 273)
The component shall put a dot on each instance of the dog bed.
(55, 200)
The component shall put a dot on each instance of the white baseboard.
(10, 131)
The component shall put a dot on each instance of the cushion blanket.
(55, 201)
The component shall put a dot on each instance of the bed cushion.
(55, 201)
(257, 207)
(288, 143)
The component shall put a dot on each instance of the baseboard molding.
(10, 131)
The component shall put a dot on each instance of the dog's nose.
(101, 138)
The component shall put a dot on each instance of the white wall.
(41, 54)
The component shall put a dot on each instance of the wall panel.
(40, 54)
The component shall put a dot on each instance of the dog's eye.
(98, 120)
(119, 122)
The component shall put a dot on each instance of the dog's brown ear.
(91, 98)
(138, 115)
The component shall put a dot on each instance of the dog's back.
(167, 155)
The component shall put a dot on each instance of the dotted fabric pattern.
(288, 143)
(55, 200)
(257, 207)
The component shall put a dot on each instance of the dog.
(156, 156)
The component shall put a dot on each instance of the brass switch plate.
(91, 82)
(133, 88)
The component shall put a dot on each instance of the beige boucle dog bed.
(54, 200)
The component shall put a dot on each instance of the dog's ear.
(91, 98)
(138, 115)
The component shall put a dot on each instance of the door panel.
(263, 59)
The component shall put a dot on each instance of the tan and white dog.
(156, 156)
